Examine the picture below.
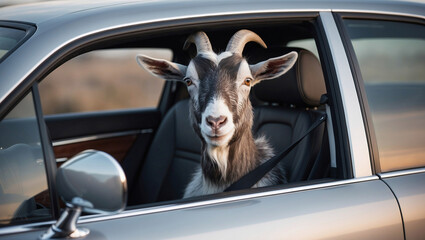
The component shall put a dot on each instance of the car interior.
(284, 108)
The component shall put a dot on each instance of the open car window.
(102, 80)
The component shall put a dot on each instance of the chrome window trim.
(187, 205)
(359, 148)
(202, 203)
(401, 173)
(399, 14)
(100, 136)
(26, 227)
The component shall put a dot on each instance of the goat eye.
(188, 81)
(248, 81)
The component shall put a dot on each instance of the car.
(93, 147)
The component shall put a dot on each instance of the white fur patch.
(216, 108)
(223, 55)
(243, 90)
(191, 72)
(217, 148)
(214, 57)
(209, 55)
(194, 88)
(243, 72)
(200, 186)
(220, 156)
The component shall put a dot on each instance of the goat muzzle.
(216, 122)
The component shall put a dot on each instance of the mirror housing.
(92, 181)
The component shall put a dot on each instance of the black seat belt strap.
(251, 178)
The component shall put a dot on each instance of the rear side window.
(391, 58)
(102, 80)
(9, 39)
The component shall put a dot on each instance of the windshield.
(9, 38)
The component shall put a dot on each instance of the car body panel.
(48, 11)
(362, 210)
(410, 192)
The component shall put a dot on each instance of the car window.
(23, 182)
(102, 80)
(391, 58)
(9, 38)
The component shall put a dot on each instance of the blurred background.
(102, 80)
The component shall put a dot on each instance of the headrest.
(302, 85)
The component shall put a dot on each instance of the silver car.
(93, 147)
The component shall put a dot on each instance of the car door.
(356, 204)
(394, 94)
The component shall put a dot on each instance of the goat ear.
(273, 67)
(162, 68)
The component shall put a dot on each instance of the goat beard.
(227, 167)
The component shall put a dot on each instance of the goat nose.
(216, 122)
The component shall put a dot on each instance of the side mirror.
(92, 181)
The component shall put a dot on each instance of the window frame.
(357, 76)
(86, 43)
(341, 135)
(80, 46)
(49, 156)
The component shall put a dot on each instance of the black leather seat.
(287, 107)
(171, 160)
(281, 116)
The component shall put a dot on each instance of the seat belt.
(251, 178)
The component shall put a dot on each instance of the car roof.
(38, 13)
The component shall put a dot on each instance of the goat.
(220, 110)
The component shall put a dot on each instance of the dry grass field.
(103, 80)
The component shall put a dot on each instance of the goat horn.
(201, 41)
(241, 38)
